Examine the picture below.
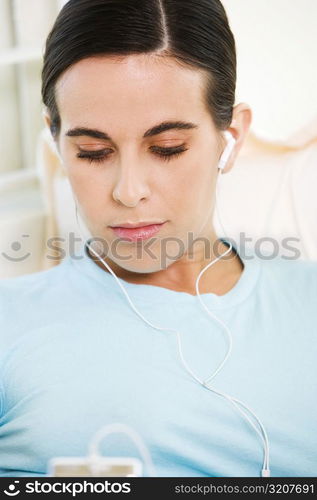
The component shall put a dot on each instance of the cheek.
(91, 192)
(85, 178)
(196, 186)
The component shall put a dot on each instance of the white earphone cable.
(120, 428)
(265, 472)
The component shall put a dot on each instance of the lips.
(140, 224)
(137, 233)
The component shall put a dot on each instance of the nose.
(131, 187)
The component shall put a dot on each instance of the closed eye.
(93, 156)
(168, 153)
(98, 156)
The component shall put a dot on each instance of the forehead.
(135, 88)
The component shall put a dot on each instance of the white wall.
(10, 158)
(22, 213)
(277, 62)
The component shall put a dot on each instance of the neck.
(181, 276)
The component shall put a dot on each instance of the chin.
(141, 268)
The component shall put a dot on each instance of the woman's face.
(120, 172)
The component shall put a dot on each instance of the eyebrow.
(157, 129)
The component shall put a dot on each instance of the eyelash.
(100, 156)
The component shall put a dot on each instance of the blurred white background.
(270, 191)
(24, 27)
(277, 62)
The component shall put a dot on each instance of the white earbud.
(227, 151)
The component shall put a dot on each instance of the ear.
(48, 122)
(46, 117)
(239, 128)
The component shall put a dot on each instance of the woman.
(138, 97)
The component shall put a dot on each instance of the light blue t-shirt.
(74, 357)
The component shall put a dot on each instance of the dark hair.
(196, 33)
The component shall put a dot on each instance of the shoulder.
(25, 301)
(12, 289)
(294, 281)
(292, 271)
(46, 275)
